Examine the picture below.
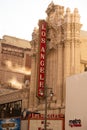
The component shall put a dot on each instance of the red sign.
(42, 59)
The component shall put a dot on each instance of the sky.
(18, 18)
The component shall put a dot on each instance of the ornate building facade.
(65, 55)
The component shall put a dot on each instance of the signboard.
(41, 59)
(39, 125)
(53, 122)
(10, 124)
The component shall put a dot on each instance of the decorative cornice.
(14, 96)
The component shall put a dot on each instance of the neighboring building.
(15, 60)
(15, 72)
(66, 55)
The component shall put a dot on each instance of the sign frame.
(40, 93)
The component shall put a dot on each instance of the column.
(59, 87)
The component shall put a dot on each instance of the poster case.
(10, 124)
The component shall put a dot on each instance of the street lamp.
(46, 96)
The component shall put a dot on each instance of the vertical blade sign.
(42, 59)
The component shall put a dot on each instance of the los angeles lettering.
(41, 82)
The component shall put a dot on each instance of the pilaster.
(59, 86)
(33, 100)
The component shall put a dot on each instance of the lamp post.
(46, 96)
(45, 118)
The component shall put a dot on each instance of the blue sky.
(19, 17)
